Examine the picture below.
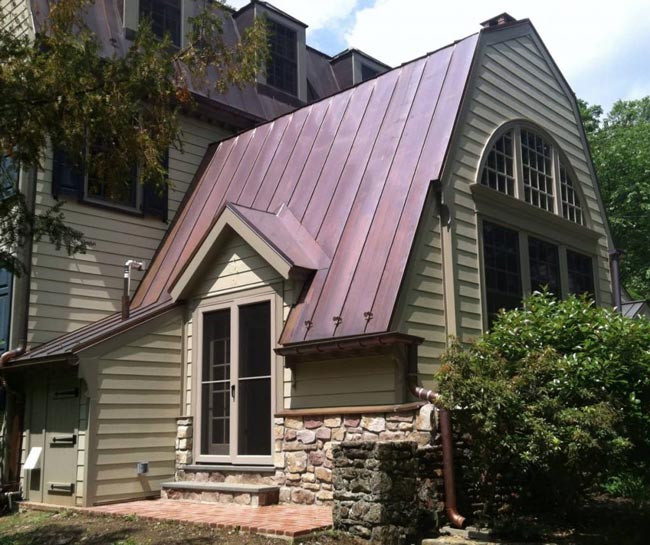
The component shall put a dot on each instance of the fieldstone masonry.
(184, 438)
(304, 458)
(375, 490)
(303, 449)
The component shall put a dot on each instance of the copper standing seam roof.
(353, 169)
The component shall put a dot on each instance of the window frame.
(232, 302)
(524, 258)
(143, 194)
(174, 42)
(558, 158)
(295, 92)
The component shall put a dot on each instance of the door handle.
(232, 392)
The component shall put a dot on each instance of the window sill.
(103, 205)
(524, 216)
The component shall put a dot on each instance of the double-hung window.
(88, 186)
(282, 66)
(165, 17)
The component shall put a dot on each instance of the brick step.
(212, 492)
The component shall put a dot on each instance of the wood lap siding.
(236, 267)
(514, 81)
(70, 292)
(343, 383)
(138, 399)
(421, 310)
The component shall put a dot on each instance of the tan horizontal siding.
(81, 289)
(138, 396)
(422, 300)
(356, 381)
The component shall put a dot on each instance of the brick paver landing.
(280, 520)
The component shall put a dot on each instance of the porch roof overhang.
(279, 238)
(346, 346)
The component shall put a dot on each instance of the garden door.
(236, 384)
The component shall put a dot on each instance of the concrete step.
(214, 492)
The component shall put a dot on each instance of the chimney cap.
(499, 20)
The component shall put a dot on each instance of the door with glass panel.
(236, 386)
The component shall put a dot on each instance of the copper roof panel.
(354, 169)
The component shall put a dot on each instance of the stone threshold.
(220, 487)
(227, 468)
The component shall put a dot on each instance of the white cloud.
(601, 47)
(587, 41)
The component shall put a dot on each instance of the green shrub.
(555, 398)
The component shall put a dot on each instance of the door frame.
(232, 302)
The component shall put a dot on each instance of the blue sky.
(602, 48)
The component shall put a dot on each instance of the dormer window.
(165, 17)
(367, 72)
(524, 164)
(282, 68)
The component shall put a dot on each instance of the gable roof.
(279, 238)
(354, 169)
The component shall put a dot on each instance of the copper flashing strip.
(93, 334)
(368, 409)
(348, 343)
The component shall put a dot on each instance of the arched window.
(533, 229)
(525, 164)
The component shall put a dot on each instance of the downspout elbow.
(448, 474)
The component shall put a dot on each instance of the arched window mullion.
(519, 178)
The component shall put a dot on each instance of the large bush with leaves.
(556, 398)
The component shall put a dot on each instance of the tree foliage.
(620, 146)
(63, 87)
(555, 398)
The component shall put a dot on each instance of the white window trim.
(232, 302)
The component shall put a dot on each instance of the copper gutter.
(12, 452)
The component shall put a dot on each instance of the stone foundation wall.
(303, 449)
(184, 440)
(375, 490)
(304, 458)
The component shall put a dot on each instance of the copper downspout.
(448, 475)
(13, 444)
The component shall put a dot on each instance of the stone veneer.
(303, 457)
